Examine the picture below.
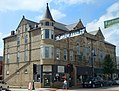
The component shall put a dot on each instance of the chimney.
(13, 32)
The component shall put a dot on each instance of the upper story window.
(98, 55)
(78, 49)
(58, 54)
(52, 34)
(18, 56)
(18, 40)
(52, 24)
(71, 56)
(65, 54)
(47, 34)
(26, 27)
(47, 52)
(26, 39)
(47, 23)
(8, 58)
(84, 53)
(25, 55)
(103, 55)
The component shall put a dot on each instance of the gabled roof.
(77, 25)
(100, 33)
(47, 14)
(31, 23)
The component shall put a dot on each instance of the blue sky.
(92, 13)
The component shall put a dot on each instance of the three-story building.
(48, 51)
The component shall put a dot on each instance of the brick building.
(48, 51)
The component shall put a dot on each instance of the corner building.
(48, 51)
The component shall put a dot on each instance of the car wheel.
(93, 85)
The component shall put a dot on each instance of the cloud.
(112, 12)
(111, 34)
(31, 5)
(57, 14)
(70, 2)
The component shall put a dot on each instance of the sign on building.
(111, 22)
(61, 69)
(70, 34)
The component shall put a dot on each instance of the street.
(113, 88)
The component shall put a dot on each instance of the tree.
(108, 66)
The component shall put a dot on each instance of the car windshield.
(88, 79)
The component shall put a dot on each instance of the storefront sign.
(60, 69)
(47, 68)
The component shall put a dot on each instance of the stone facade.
(51, 46)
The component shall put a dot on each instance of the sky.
(93, 13)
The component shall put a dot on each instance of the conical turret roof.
(47, 14)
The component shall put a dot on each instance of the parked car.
(3, 86)
(108, 82)
(116, 81)
(93, 82)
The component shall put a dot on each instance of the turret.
(47, 25)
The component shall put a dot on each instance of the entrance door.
(47, 80)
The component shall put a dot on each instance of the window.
(98, 55)
(65, 54)
(26, 39)
(52, 34)
(18, 57)
(52, 24)
(52, 52)
(18, 40)
(78, 49)
(46, 52)
(47, 23)
(25, 55)
(84, 53)
(26, 28)
(58, 54)
(7, 58)
(103, 55)
(47, 33)
(71, 56)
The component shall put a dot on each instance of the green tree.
(108, 66)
